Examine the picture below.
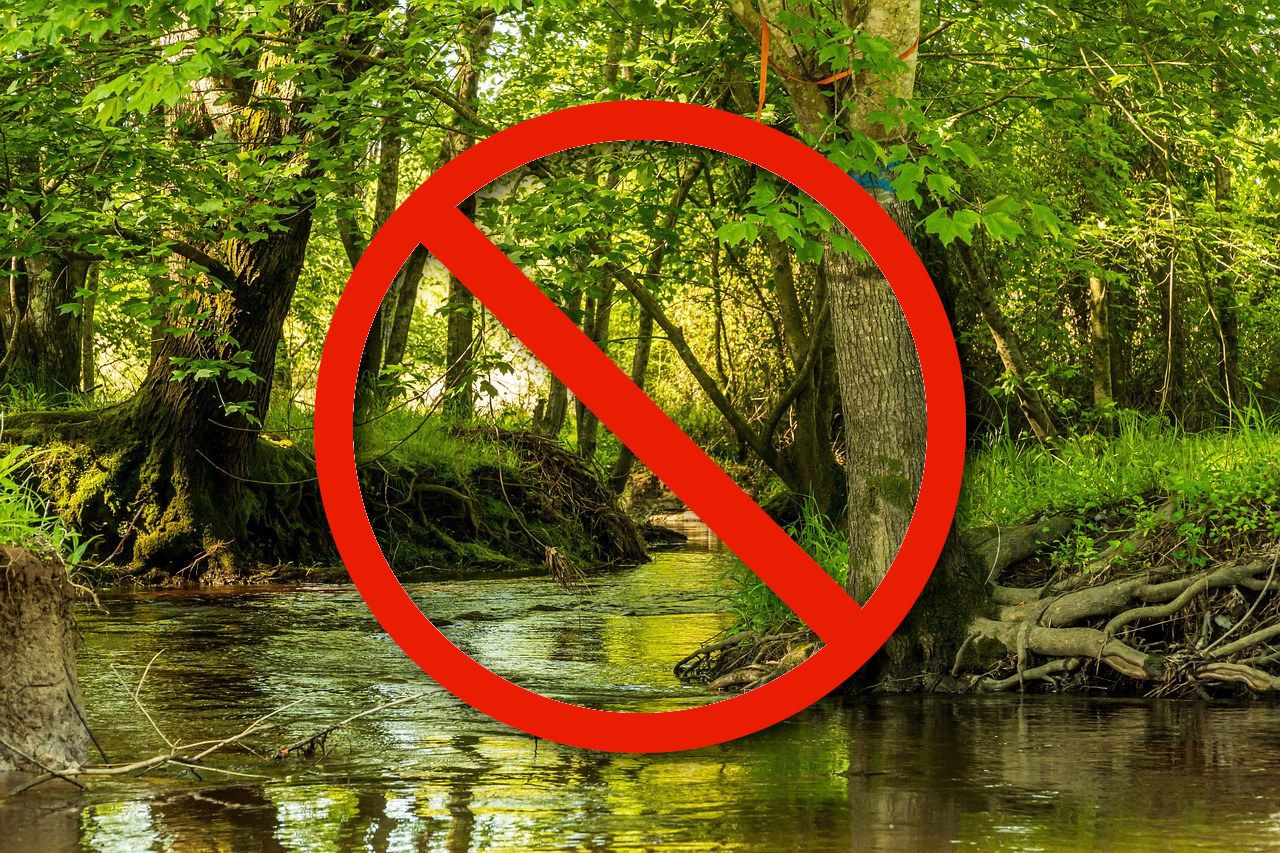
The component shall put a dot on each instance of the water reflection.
(880, 774)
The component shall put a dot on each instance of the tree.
(179, 449)
(880, 384)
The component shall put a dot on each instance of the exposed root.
(746, 660)
(1132, 622)
(1165, 637)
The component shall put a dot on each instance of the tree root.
(1131, 622)
(746, 660)
(1150, 636)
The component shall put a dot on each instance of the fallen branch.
(311, 743)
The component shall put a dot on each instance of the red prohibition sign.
(851, 633)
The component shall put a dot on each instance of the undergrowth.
(756, 607)
(25, 521)
(1208, 495)
(1211, 494)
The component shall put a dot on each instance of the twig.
(85, 723)
(137, 699)
(49, 770)
(311, 742)
(1259, 635)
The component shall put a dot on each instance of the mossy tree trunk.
(879, 372)
(164, 474)
(192, 454)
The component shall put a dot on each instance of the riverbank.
(441, 499)
(885, 772)
(1143, 564)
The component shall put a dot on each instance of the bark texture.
(40, 711)
(42, 342)
(1100, 342)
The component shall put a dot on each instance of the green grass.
(1222, 487)
(1009, 482)
(756, 607)
(398, 438)
(24, 398)
(25, 521)
(1212, 494)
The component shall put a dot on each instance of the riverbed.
(889, 773)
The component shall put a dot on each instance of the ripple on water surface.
(887, 773)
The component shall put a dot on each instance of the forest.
(187, 187)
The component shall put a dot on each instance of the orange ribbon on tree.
(764, 66)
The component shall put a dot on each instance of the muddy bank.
(467, 500)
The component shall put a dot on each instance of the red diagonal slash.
(430, 216)
(639, 424)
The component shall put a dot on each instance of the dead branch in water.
(308, 745)
(191, 755)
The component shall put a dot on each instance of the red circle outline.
(852, 634)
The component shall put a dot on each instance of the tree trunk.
(88, 357)
(1173, 391)
(550, 415)
(404, 297)
(882, 393)
(626, 460)
(811, 453)
(597, 319)
(1007, 346)
(40, 710)
(460, 344)
(191, 455)
(1099, 342)
(369, 394)
(879, 373)
(43, 347)
(1224, 303)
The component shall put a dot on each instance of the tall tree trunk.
(551, 413)
(1030, 401)
(597, 319)
(1099, 342)
(88, 356)
(626, 460)
(369, 395)
(1164, 275)
(43, 347)
(460, 343)
(811, 451)
(187, 457)
(1224, 302)
(404, 297)
(879, 373)
(460, 305)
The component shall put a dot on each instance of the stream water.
(903, 773)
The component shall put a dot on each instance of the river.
(889, 773)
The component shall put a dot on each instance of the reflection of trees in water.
(49, 820)
(926, 740)
(925, 772)
(215, 818)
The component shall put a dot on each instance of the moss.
(436, 497)
(893, 489)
